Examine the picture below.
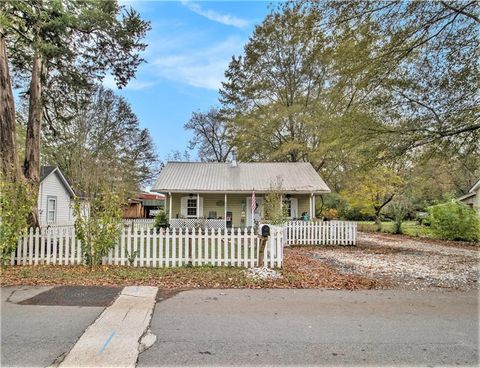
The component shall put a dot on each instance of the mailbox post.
(264, 233)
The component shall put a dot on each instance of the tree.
(58, 48)
(371, 191)
(210, 135)
(425, 61)
(271, 91)
(10, 167)
(275, 212)
(103, 145)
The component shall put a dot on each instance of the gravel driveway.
(405, 262)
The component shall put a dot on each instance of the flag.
(254, 202)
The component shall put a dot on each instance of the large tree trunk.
(10, 165)
(31, 167)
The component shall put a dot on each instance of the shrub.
(161, 220)
(330, 213)
(98, 226)
(454, 220)
(16, 201)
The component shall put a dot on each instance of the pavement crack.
(125, 316)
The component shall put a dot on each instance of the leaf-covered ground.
(300, 271)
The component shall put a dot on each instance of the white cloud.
(109, 82)
(202, 68)
(226, 19)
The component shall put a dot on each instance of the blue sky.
(190, 45)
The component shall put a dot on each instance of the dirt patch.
(404, 262)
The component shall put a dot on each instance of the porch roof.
(204, 177)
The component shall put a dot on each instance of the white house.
(472, 198)
(55, 198)
(220, 194)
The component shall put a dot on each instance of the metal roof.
(185, 177)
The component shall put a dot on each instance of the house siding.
(236, 203)
(52, 186)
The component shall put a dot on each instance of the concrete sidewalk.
(314, 327)
(113, 340)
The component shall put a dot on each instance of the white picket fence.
(143, 246)
(151, 248)
(321, 232)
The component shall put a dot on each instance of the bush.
(454, 220)
(98, 225)
(16, 202)
(330, 213)
(161, 220)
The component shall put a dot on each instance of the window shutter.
(200, 207)
(183, 206)
(294, 207)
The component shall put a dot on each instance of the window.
(51, 209)
(191, 207)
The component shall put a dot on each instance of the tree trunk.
(10, 165)
(378, 220)
(31, 167)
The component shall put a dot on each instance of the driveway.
(314, 327)
(403, 262)
(35, 334)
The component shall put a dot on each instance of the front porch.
(230, 210)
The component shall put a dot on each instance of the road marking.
(107, 342)
(126, 319)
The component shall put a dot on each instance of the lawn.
(299, 271)
(411, 228)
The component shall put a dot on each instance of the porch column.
(225, 211)
(198, 205)
(169, 207)
(310, 211)
(314, 209)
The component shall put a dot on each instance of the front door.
(257, 213)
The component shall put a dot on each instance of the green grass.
(410, 228)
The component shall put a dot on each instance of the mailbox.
(265, 230)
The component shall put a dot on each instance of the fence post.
(189, 256)
(261, 252)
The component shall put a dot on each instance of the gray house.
(55, 198)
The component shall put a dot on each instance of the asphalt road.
(314, 327)
(36, 335)
(255, 327)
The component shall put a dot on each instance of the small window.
(191, 207)
(51, 209)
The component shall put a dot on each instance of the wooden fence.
(151, 248)
(321, 232)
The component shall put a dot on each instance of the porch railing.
(185, 223)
